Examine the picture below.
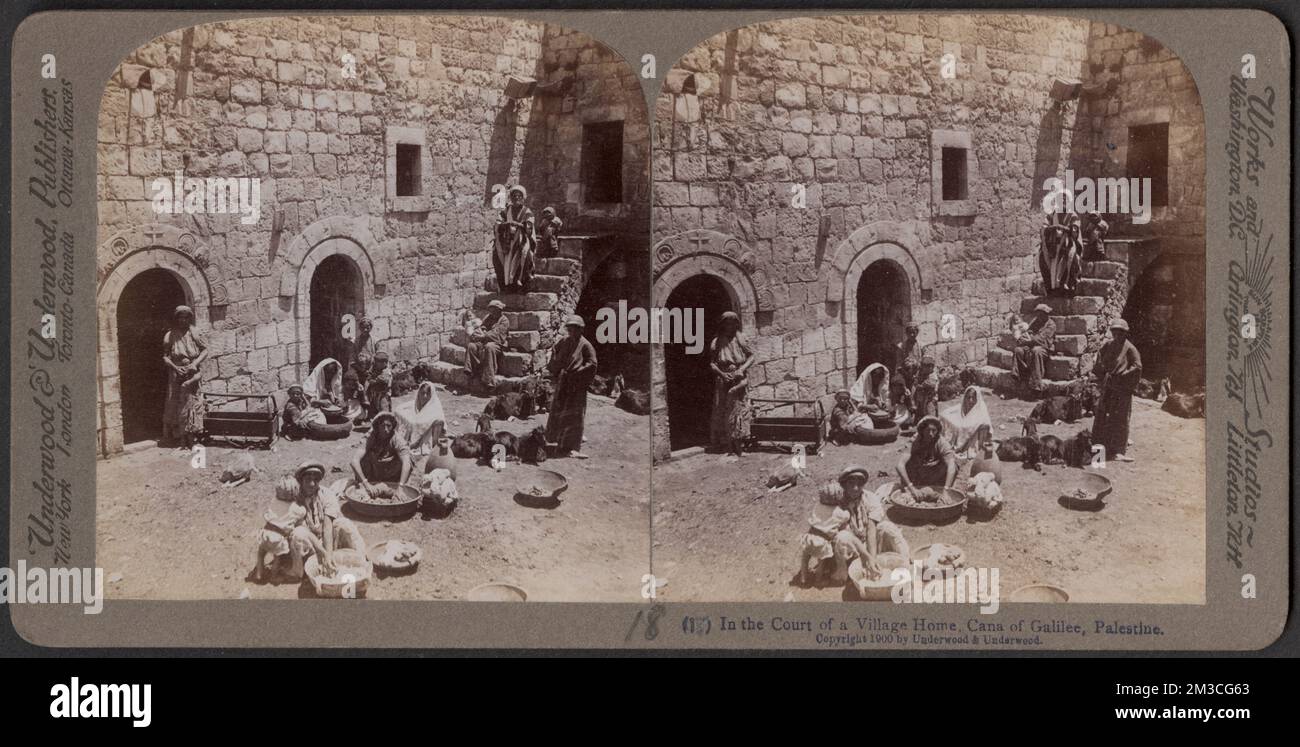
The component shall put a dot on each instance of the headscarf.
(960, 426)
(518, 188)
(737, 349)
(863, 391)
(183, 309)
(920, 446)
(317, 388)
(416, 423)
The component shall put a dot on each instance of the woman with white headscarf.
(516, 241)
(421, 421)
(966, 424)
(324, 386)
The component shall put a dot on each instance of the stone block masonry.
(270, 98)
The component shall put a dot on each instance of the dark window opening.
(954, 173)
(408, 170)
(1148, 158)
(602, 162)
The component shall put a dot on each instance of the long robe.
(516, 243)
(1119, 368)
(184, 409)
(959, 425)
(572, 365)
(731, 417)
(483, 355)
(1031, 355)
(424, 426)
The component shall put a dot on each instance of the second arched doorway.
(884, 309)
(337, 289)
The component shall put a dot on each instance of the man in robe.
(1118, 371)
(1033, 350)
(572, 365)
(487, 344)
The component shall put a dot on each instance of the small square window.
(602, 162)
(408, 170)
(954, 174)
(1148, 158)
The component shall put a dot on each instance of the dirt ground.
(167, 531)
(720, 536)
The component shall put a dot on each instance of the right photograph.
(951, 271)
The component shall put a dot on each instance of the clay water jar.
(989, 462)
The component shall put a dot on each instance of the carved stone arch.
(164, 246)
(879, 240)
(302, 289)
(714, 253)
(740, 289)
(339, 232)
(121, 259)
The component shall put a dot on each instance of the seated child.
(379, 386)
(273, 539)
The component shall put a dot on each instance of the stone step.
(523, 341)
(1001, 380)
(1064, 305)
(512, 363)
(1094, 287)
(1058, 368)
(540, 284)
(560, 266)
(452, 375)
(1080, 324)
(1105, 269)
(1065, 344)
(522, 321)
(518, 301)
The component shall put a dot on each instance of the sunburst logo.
(1252, 289)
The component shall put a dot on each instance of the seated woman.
(302, 419)
(931, 462)
(851, 424)
(311, 525)
(421, 421)
(871, 394)
(967, 424)
(385, 457)
(324, 387)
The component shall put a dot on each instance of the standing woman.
(572, 365)
(729, 358)
(516, 241)
(184, 351)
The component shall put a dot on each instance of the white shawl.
(417, 425)
(961, 426)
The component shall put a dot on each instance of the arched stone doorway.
(883, 310)
(690, 382)
(144, 313)
(1167, 321)
(617, 278)
(337, 288)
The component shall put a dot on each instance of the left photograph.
(349, 270)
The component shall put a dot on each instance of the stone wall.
(851, 109)
(269, 98)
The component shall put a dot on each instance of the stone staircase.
(1080, 320)
(535, 321)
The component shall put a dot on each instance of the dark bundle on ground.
(1065, 408)
(471, 445)
(483, 424)
(599, 385)
(519, 405)
(421, 373)
(542, 395)
(532, 447)
(403, 382)
(1088, 393)
(1051, 450)
(950, 387)
(634, 401)
(1077, 451)
(509, 441)
(1156, 390)
(1023, 449)
(1185, 405)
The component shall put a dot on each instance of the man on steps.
(485, 348)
